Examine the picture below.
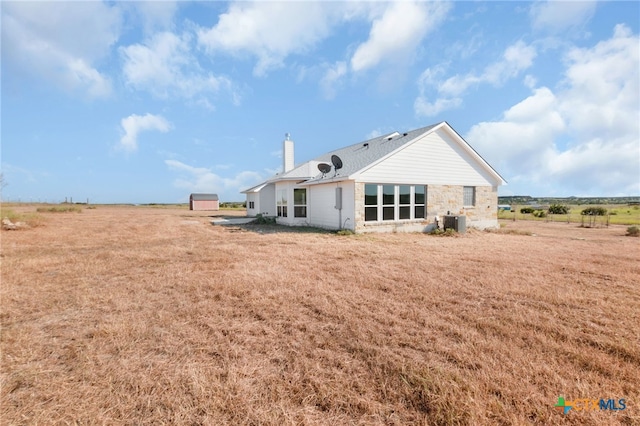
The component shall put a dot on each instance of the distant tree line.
(526, 199)
(233, 205)
(562, 209)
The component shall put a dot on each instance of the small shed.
(204, 202)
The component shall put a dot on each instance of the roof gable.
(359, 157)
(362, 155)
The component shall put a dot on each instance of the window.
(281, 202)
(251, 204)
(370, 202)
(386, 202)
(469, 196)
(300, 202)
(419, 202)
(404, 200)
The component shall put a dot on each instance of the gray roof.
(204, 197)
(362, 154)
(359, 156)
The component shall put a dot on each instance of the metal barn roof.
(204, 197)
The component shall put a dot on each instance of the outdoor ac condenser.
(457, 223)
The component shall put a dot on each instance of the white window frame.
(414, 204)
(408, 205)
(372, 206)
(393, 206)
(380, 206)
(296, 206)
(282, 202)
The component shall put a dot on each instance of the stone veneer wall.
(441, 199)
(448, 198)
(486, 208)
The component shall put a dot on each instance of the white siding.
(434, 159)
(322, 202)
(253, 197)
(267, 202)
(290, 219)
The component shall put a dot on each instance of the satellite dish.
(337, 162)
(324, 168)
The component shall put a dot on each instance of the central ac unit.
(457, 223)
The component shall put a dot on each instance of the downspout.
(338, 205)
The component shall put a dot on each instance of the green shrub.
(594, 211)
(633, 231)
(558, 209)
(59, 209)
(264, 220)
(539, 213)
(526, 210)
(450, 232)
(232, 205)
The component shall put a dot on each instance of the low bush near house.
(633, 231)
(526, 210)
(450, 232)
(264, 220)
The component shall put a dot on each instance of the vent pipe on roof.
(287, 154)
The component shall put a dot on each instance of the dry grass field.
(151, 316)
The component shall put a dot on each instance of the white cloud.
(270, 31)
(40, 40)
(558, 15)
(165, 67)
(430, 77)
(425, 108)
(332, 79)
(81, 75)
(515, 59)
(603, 87)
(202, 179)
(156, 15)
(524, 137)
(397, 33)
(134, 124)
(585, 136)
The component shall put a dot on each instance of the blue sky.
(146, 102)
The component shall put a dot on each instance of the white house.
(398, 182)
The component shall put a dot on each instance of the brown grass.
(134, 315)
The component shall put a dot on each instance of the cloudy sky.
(146, 102)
